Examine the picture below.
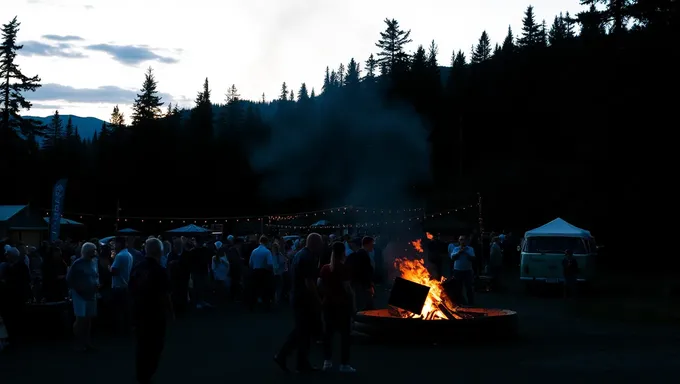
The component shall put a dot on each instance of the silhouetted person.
(306, 304)
(338, 307)
(150, 290)
(361, 270)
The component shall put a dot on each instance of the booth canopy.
(556, 228)
(128, 230)
(191, 228)
(64, 221)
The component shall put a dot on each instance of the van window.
(548, 244)
(592, 245)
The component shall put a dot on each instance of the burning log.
(449, 313)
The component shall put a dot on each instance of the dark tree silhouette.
(13, 86)
(391, 44)
(147, 105)
(482, 51)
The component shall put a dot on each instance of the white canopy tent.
(557, 228)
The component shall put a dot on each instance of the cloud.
(109, 94)
(131, 54)
(62, 38)
(89, 7)
(36, 48)
(55, 107)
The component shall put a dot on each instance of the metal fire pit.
(477, 324)
(408, 297)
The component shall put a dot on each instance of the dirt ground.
(232, 345)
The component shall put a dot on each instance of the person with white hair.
(150, 288)
(82, 279)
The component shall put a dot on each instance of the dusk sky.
(92, 54)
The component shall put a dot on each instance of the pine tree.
(509, 42)
(482, 51)
(569, 25)
(341, 75)
(168, 112)
(303, 94)
(292, 95)
(391, 44)
(454, 83)
(615, 14)
(55, 132)
(353, 73)
(531, 31)
(104, 132)
(419, 61)
(558, 31)
(543, 35)
(203, 97)
(233, 95)
(334, 80)
(497, 50)
(13, 85)
(284, 92)
(371, 66)
(117, 120)
(69, 131)
(326, 81)
(312, 95)
(264, 100)
(202, 114)
(432, 52)
(147, 103)
(591, 22)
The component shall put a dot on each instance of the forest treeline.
(525, 122)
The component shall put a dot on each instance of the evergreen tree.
(147, 104)
(509, 42)
(615, 14)
(292, 95)
(482, 51)
(531, 31)
(591, 22)
(334, 80)
(13, 86)
(55, 132)
(104, 131)
(569, 26)
(69, 131)
(543, 35)
(313, 94)
(419, 61)
(326, 81)
(497, 50)
(558, 31)
(303, 94)
(432, 52)
(454, 83)
(371, 66)
(341, 75)
(233, 95)
(353, 73)
(264, 100)
(284, 92)
(117, 120)
(391, 44)
(202, 114)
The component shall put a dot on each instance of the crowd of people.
(121, 284)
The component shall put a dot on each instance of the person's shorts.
(84, 308)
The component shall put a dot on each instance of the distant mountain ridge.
(87, 126)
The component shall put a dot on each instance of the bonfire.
(438, 306)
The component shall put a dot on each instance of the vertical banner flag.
(57, 208)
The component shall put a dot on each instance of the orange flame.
(417, 245)
(415, 271)
(429, 235)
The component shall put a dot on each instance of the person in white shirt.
(120, 279)
(463, 256)
(261, 267)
